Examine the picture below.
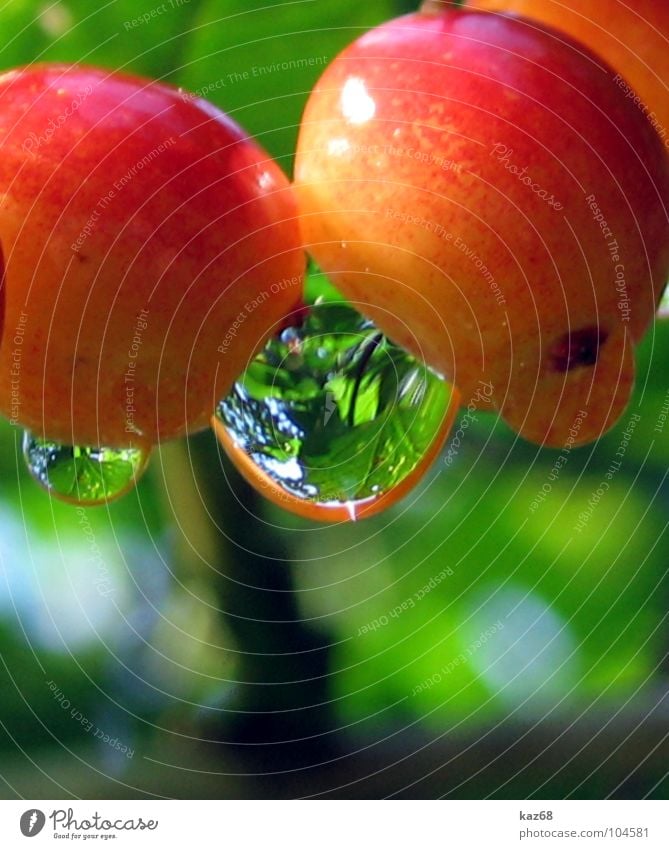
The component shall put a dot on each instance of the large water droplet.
(82, 474)
(332, 420)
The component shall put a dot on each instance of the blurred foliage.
(584, 611)
(464, 604)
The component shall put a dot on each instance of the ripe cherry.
(332, 421)
(488, 189)
(149, 247)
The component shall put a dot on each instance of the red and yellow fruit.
(632, 37)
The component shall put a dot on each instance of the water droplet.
(82, 474)
(663, 309)
(343, 431)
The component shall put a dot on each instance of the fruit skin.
(632, 37)
(442, 172)
(150, 246)
(318, 511)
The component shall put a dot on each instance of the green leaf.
(138, 36)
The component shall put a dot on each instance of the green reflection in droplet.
(663, 309)
(334, 412)
(83, 474)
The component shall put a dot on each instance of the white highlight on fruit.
(337, 147)
(356, 104)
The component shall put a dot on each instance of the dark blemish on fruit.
(577, 349)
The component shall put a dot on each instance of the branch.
(282, 662)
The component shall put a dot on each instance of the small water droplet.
(83, 475)
(290, 336)
(663, 309)
(344, 432)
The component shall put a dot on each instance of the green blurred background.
(191, 640)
